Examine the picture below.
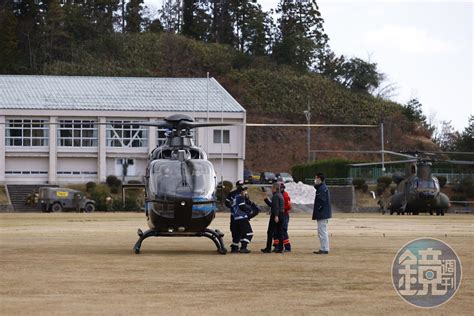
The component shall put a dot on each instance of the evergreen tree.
(222, 22)
(259, 33)
(301, 38)
(133, 16)
(8, 39)
(54, 33)
(331, 66)
(29, 22)
(414, 113)
(359, 75)
(197, 19)
(251, 26)
(153, 26)
(466, 139)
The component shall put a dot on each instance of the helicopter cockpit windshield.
(427, 184)
(171, 179)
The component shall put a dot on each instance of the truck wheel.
(89, 208)
(56, 207)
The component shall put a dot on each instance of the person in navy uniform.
(254, 211)
(322, 212)
(242, 211)
(233, 229)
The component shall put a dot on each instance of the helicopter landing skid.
(214, 235)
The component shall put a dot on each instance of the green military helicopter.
(417, 190)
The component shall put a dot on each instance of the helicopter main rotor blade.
(460, 162)
(189, 125)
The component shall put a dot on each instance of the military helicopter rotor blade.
(307, 125)
(401, 154)
(460, 162)
(380, 163)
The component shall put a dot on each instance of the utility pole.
(307, 113)
(383, 151)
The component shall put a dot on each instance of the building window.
(120, 134)
(125, 161)
(221, 136)
(76, 172)
(26, 133)
(26, 172)
(77, 133)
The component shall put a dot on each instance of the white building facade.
(48, 132)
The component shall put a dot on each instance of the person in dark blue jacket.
(242, 212)
(275, 222)
(322, 212)
(233, 229)
(229, 201)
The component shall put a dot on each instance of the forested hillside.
(275, 69)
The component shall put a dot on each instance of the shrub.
(332, 168)
(90, 186)
(442, 181)
(385, 180)
(358, 183)
(114, 190)
(365, 187)
(113, 181)
(465, 186)
(99, 194)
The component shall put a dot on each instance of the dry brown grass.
(84, 264)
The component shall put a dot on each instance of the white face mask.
(317, 181)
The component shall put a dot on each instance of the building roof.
(115, 94)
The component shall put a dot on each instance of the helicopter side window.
(194, 154)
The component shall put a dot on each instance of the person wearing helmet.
(253, 210)
(241, 212)
(229, 201)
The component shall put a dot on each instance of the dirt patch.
(84, 264)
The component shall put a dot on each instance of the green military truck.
(60, 199)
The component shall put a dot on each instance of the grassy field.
(84, 264)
